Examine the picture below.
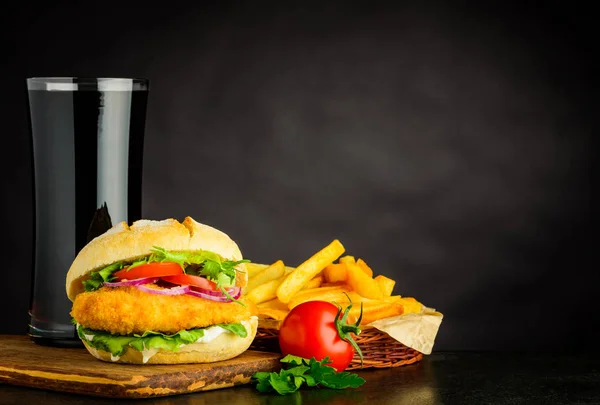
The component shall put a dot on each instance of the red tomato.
(315, 329)
(194, 281)
(154, 269)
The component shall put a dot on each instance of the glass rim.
(75, 83)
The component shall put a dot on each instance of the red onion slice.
(182, 289)
(235, 292)
(137, 281)
(218, 297)
(217, 293)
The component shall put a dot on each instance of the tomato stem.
(344, 329)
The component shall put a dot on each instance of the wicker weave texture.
(378, 348)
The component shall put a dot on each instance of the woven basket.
(379, 349)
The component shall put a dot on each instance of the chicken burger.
(161, 292)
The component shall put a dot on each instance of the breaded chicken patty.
(126, 310)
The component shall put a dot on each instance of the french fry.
(315, 282)
(264, 292)
(386, 285)
(274, 309)
(308, 269)
(347, 259)
(336, 284)
(323, 289)
(273, 304)
(363, 284)
(253, 268)
(326, 276)
(373, 310)
(320, 293)
(335, 272)
(272, 272)
(410, 305)
(365, 267)
(324, 294)
(277, 314)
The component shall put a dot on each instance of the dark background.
(451, 147)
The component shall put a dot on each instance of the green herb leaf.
(298, 371)
(298, 381)
(97, 278)
(93, 283)
(222, 272)
(261, 375)
(263, 380)
(223, 280)
(282, 383)
(137, 263)
(264, 385)
(293, 360)
(236, 328)
(328, 377)
(310, 381)
(318, 369)
(341, 380)
(106, 273)
(190, 336)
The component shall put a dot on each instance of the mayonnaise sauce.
(211, 334)
(147, 354)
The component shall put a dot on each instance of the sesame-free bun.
(223, 347)
(128, 243)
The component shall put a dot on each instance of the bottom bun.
(223, 347)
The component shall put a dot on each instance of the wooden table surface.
(441, 378)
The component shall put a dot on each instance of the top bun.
(128, 243)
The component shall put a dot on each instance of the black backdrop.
(451, 147)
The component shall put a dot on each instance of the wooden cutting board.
(74, 370)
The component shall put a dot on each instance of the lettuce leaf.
(214, 268)
(118, 344)
(235, 328)
(200, 263)
(97, 278)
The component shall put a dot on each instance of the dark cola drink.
(88, 137)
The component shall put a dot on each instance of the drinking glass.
(87, 136)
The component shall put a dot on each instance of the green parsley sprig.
(297, 371)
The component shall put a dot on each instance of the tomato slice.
(154, 269)
(194, 281)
